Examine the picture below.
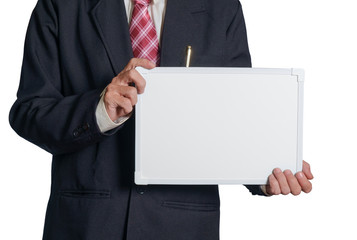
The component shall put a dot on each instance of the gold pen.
(188, 55)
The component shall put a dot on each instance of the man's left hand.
(286, 182)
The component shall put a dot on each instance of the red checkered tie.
(143, 35)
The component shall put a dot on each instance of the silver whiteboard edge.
(139, 180)
(137, 137)
(280, 71)
(300, 73)
(225, 70)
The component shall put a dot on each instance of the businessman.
(76, 97)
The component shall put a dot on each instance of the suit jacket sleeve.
(42, 114)
(237, 55)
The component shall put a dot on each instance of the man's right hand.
(121, 96)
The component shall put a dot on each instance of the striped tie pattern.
(143, 34)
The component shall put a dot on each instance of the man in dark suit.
(74, 50)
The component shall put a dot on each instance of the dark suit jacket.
(73, 49)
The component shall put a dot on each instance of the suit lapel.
(111, 22)
(110, 19)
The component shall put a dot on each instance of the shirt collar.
(152, 1)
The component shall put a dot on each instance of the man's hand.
(285, 182)
(120, 96)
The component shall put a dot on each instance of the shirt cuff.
(264, 189)
(103, 120)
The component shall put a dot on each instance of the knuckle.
(118, 79)
(110, 88)
(129, 104)
(126, 102)
(132, 61)
(132, 91)
(109, 95)
(128, 109)
(131, 73)
(115, 79)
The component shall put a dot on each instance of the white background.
(317, 35)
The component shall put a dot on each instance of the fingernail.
(277, 170)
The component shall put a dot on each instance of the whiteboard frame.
(298, 72)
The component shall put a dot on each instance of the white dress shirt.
(156, 10)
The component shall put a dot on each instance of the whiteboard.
(218, 125)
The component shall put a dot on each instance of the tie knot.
(142, 2)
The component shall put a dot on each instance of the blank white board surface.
(218, 125)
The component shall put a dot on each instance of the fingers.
(119, 100)
(118, 106)
(294, 185)
(120, 95)
(273, 187)
(278, 183)
(139, 62)
(283, 183)
(129, 93)
(305, 184)
(123, 103)
(131, 76)
(125, 91)
(307, 170)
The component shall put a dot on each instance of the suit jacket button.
(140, 190)
(86, 126)
(75, 133)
